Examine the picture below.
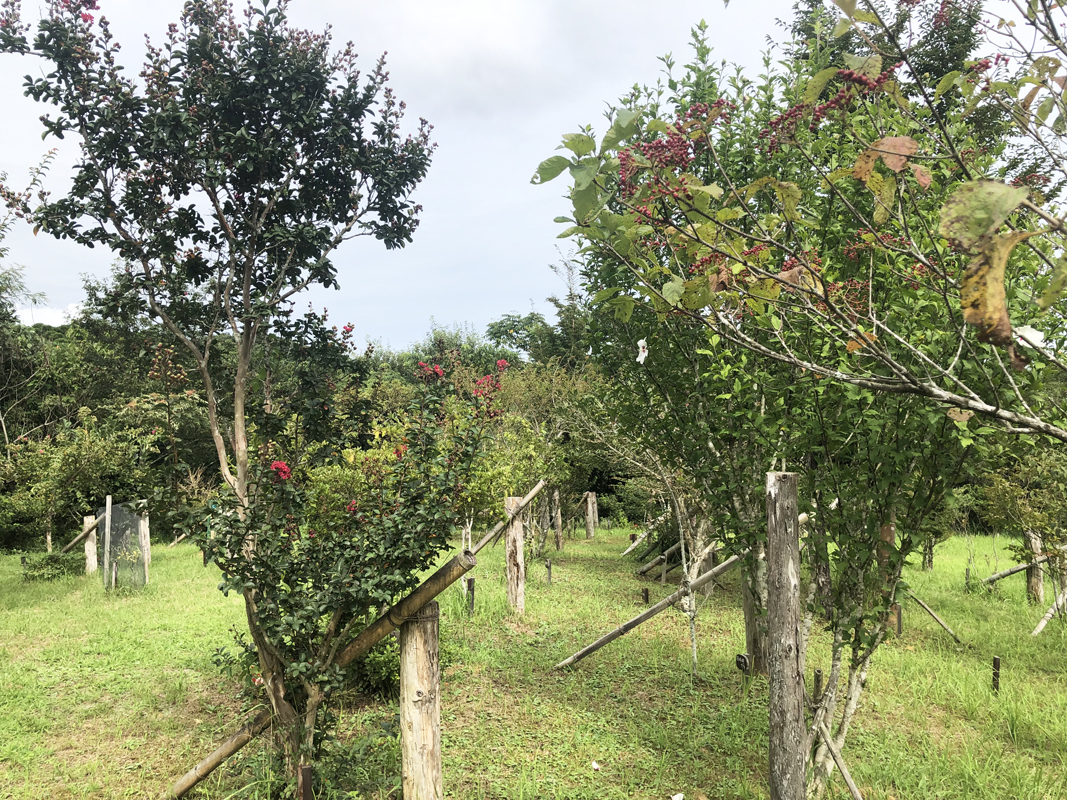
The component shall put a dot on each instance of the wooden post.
(515, 558)
(788, 731)
(663, 572)
(633, 538)
(470, 595)
(420, 706)
(90, 546)
(590, 524)
(895, 612)
(548, 567)
(1035, 578)
(557, 519)
(644, 595)
(144, 541)
(304, 779)
(108, 581)
(596, 512)
(967, 578)
(816, 696)
(48, 533)
(996, 674)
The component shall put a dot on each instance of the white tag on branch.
(642, 351)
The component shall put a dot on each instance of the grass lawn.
(113, 697)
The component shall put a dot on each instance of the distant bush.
(53, 566)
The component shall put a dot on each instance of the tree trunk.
(788, 732)
(1035, 578)
(557, 519)
(90, 546)
(887, 543)
(928, 554)
(590, 511)
(515, 558)
(754, 602)
(420, 706)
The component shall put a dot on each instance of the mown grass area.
(116, 696)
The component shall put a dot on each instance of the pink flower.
(502, 365)
(86, 17)
(281, 471)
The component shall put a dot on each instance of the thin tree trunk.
(1035, 577)
(928, 554)
(788, 754)
(754, 604)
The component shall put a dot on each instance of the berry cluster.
(1034, 180)
(164, 369)
(845, 96)
(707, 264)
(850, 296)
(811, 261)
(782, 128)
(979, 67)
(853, 249)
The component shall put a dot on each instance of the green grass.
(116, 696)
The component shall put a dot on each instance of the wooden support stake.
(500, 526)
(470, 595)
(661, 558)
(996, 674)
(548, 568)
(788, 731)
(836, 755)
(90, 544)
(633, 538)
(420, 706)
(249, 732)
(663, 572)
(557, 519)
(107, 543)
(144, 542)
(646, 615)
(305, 780)
(515, 558)
(817, 695)
(1017, 568)
(1061, 602)
(644, 595)
(590, 515)
(89, 525)
(895, 613)
(937, 619)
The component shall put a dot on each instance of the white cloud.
(48, 316)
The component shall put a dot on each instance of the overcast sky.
(500, 80)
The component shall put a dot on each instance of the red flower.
(502, 365)
(281, 471)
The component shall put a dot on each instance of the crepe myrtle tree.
(844, 219)
(225, 177)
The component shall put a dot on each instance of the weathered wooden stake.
(304, 778)
(107, 543)
(644, 595)
(788, 731)
(548, 568)
(590, 515)
(817, 695)
(90, 546)
(895, 611)
(557, 519)
(996, 674)
(144, 541)
(633, 538)
(470, 595)
(1035, 577)
(967, 578)
(663, 572)
(420, 706)
(515, 558)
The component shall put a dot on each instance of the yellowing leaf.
(864, 166)
(885, 201)
(859, 344)
(817, 84)
(921, 175)
(959, 414)
(978, 209)
(1056, 284)
(982, 288)
(895, 150)
(871, 66)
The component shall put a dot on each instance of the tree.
(224, 181)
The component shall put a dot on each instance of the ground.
(116, 696)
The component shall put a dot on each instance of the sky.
(500, 80)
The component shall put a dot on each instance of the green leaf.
(584, 173)
(886, 200)
(816, 85)
(842, 27)
(977, 209)
(569, 232)
(624, 307)
(550, 168)
(562, 219)
(871, 66)
(586, 201)
(1045, 109)
(579, 143)
(604, 294)
(673, 290)
(1056, 284)
(848, 6)
(946, 83)
(789, 194)
(865, 16)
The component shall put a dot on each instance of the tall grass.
(114, 696)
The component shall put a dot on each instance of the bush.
(53, 566)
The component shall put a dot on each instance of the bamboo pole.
(499, 527)
(1013, 570)
(646, 615)
(249, 732)
(1061, 601)
(835, 753)
(937, 619)
(659, 559)
(88, 527)
(374, 633)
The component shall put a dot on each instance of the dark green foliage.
(53, 566)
